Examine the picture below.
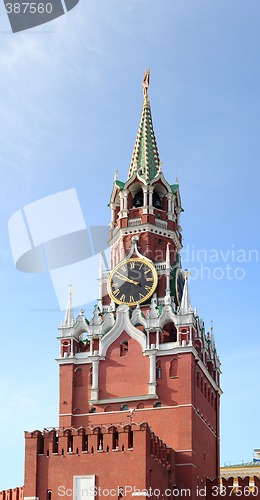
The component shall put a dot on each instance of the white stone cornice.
(123, 399)
(120, 232)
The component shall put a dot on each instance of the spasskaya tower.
(140, 380)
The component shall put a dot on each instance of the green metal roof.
(120, 184)
(145, 158)
(174, 187)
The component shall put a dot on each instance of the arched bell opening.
(138, 200)
(157, 201)
(169, 333)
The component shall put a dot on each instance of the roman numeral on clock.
(122, 298)
(116, 292)
(148, 288)
(131, 298)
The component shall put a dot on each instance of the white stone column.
(151, 199)
(125, 195)
(152, 382)
(157, 338)
(113, 212)
(170, 206)
(71, 348)
(145, 205)
(151, 196)
(121, 197)
(190, 335)
(95, 366)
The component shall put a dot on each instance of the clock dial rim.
(117, 268)
(179, 272)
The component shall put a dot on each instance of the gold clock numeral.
(149, 279)
(122, 298)
(131, 298)
(116, 292)
(123, 268)
(115, 285)
(141, 265)
(132, 265)
(148, 271)
(148, 288)
(141, 296)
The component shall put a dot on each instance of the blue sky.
(70, 104)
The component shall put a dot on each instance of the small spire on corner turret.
(116, 175)
(69, 319)
(185, 307)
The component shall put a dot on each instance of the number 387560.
(28, 8)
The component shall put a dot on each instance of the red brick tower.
(139, 382)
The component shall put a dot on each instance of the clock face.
(132, 281)
(179, 285)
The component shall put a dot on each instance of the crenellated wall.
(233, 487)
(117, 456)
(12, 494)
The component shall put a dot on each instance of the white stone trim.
(123, 400)
(184, 465)
(152, 228)
(122, 323)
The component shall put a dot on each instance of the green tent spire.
(145, 159)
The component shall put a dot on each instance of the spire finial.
(69, 314)
(146, 82)
(116, 175)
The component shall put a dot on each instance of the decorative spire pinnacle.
(185, 301)
(145, 158)
(100, 280)
(116, 175)
(146, 83)
(69, 319)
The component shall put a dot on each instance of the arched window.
(90, 375)
(205, 389)
(201, 384)
(115, 440)
(124, 348)
(124, 407)
(174, 368)
(198, 379)
(158, 370)
(209, 395)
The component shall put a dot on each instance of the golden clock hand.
(125, 278)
